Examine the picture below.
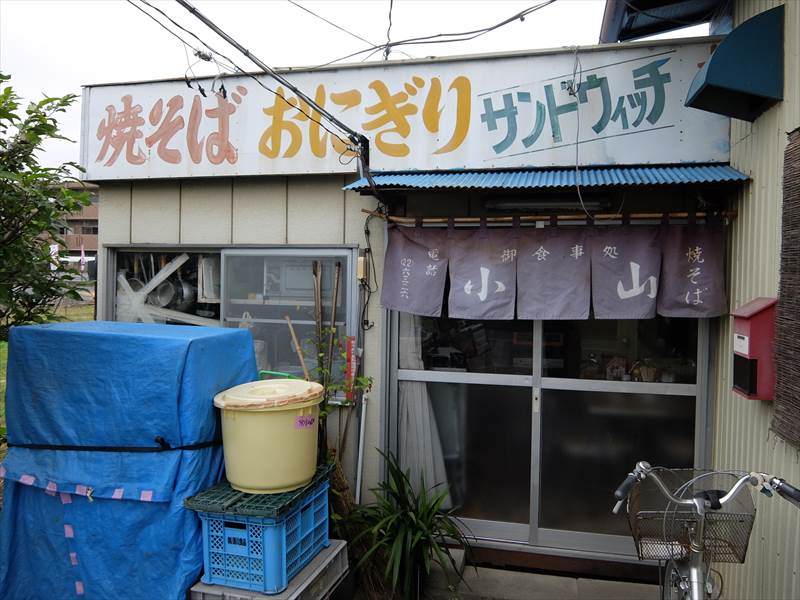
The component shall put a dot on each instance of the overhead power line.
(233, 66)
(388, 47)
(139, 8)
(339, 27)
(444, 38)
(359, 140)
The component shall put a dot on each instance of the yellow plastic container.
(269, 434)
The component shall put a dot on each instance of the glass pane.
(269, 287)
(661, 349)
(485, 434)
(591, 440)
(187, 291)
(262, 289)
(474, 346)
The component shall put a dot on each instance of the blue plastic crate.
(263, 554)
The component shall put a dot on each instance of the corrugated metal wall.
(742, 438)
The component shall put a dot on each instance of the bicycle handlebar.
(787, 491)
(643, 469)
(624, 488)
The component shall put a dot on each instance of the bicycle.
(703, 520)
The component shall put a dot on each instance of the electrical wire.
(574, 88)
(434, 39)
(339, 27)
(234, 67)
(369, 289)
(355, 138)
(388, 48)
(139, 8)
(331, 23)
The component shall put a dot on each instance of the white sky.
(53, 47)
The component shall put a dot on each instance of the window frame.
(531, 535)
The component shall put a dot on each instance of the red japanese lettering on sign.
(121, 130)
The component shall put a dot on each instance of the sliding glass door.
(531, 425)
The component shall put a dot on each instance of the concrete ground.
(497, 584)
(500, 584)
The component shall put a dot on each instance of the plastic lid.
(268, 393)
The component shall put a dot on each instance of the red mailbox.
(753, 340)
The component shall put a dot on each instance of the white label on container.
(741, 344)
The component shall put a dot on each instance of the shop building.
(530, 392)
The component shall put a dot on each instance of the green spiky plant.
(409, 531)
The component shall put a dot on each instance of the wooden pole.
(297, 348)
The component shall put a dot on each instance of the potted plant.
(408, 531)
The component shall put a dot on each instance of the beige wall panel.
(742, 437)
(354, 219)
(206, 208)
(259, 211)
(114, 227)
(315, 210)
(114, 219)
(155, 212)
(372, 365)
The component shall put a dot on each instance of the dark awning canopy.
(625, 20)
(744, 76)
(538, 179)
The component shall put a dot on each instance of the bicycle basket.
(661, 529)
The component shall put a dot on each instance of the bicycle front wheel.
(675, 585)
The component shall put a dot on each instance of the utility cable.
(232, 66)
(339, 27)
(574, 88)
(434, 39)
(139, 8)
(331, 23)
(388, 48)
(359, 140)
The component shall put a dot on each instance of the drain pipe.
(360, 464)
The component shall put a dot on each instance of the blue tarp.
(110, 524)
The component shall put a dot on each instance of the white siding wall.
(742, 436)
(270, 210)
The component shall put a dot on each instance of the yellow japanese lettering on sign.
(393, 119)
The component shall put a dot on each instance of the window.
(652, 350)
(477, 346)
(261, 287)
(89, 230)
(532, 424)
(182, 287)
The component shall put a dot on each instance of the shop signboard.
(618, 105)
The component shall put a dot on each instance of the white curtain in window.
(420, 448)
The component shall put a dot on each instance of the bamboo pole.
(297, 348)
(411, 221)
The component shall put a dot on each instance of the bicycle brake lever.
(767, 491)
(617, 507)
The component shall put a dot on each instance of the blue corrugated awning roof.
(530, 179)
